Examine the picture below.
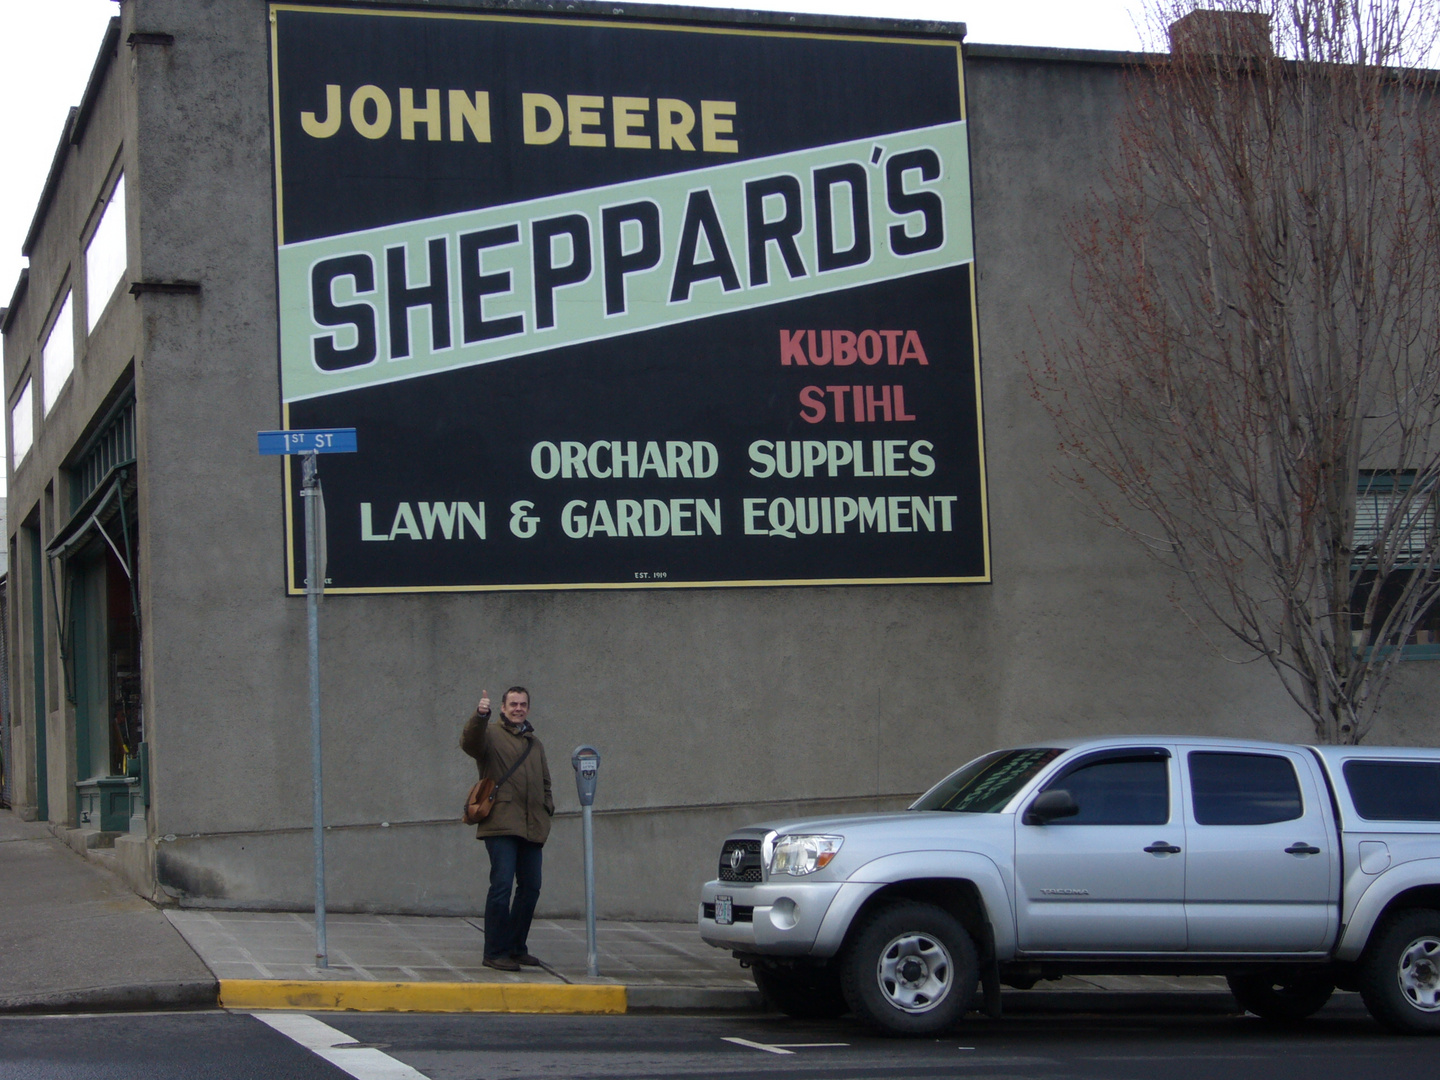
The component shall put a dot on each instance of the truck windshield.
(986, 784)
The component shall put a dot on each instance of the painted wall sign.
(615, 305)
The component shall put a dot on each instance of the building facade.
(157, 630)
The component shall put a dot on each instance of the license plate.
(724, 910)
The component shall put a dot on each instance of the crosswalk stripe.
(363, 1063)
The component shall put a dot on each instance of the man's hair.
(505, 697)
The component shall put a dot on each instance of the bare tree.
(1251, 384)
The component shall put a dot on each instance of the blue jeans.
(513, 862)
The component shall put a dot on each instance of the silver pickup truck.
(1290, 870)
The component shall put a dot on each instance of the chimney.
(1222, 33)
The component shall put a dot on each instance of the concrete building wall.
(712, 708)
(95, 147)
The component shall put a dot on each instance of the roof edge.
(686, 13)
(74, 126)
(52, 181)
(1046, 53)
(8, 315)
(109, 50)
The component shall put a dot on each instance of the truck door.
(1260, 875)
(1111, 878)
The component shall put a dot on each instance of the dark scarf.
(525, 727)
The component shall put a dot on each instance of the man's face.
(515, 708)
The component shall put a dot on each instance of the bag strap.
(529, 745)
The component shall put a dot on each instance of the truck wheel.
(804, 993)
(910, 970)
(1282, 997)
(1400, 972)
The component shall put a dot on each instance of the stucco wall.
(711, 707)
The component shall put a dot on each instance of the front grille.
(746, 867)
(742, 913)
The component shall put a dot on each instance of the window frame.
(25, 398)
(1373, 484)
(1115, 754)
(1194, 802)
(1387, 822)
(64, 316)
(95, 306)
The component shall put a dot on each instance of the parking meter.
(586, 760)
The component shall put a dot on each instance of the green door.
(37, 638)
(106, 687)
(92, 713)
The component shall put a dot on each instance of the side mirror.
(1049, 805)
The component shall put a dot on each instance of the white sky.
(48, 46)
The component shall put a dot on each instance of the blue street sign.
(306, 440)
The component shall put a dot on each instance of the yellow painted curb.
(325, 995)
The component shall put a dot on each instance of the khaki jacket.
(523, 804)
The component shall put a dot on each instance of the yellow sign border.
(293, 589)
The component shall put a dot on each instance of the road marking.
(775, 1048)
(324, 1041)
(756, 1045)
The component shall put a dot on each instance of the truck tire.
(1282, 997)
(804, 993)
(910, 970)
(1400, 972)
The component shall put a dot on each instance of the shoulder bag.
(481, 799)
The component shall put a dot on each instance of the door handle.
(1302, 849)
(1162, 848)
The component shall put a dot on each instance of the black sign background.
(467, 434)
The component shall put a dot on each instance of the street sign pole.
(310, 444)
(310, 491)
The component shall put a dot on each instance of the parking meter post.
(310, 490)
(592, 961)
(586, 761)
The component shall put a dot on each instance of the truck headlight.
(801, 855)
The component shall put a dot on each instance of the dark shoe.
(500, 963)
(526, 959)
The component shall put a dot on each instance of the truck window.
(1118, 791)
(1394, 790)
(986, 784)
(1243, 789)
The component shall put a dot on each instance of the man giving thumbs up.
(508, 752)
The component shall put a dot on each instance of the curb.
(692, 998)
(129, 998)
(591, 999)
(435, 997)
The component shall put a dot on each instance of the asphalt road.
(1342, 1042)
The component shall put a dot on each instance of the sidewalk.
(267, 959)
(73, 938)
(411, 963)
